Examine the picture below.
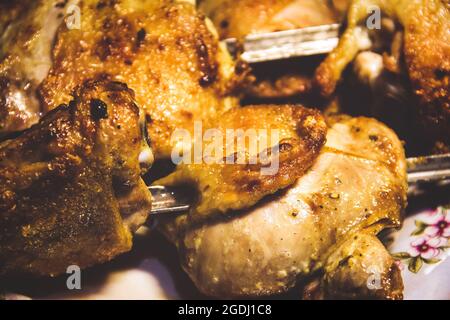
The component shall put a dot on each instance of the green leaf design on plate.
(421, 226)
(415, 264)
(431, 261)
(401, 255)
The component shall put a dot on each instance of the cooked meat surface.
(27, 31)
(426, 51)
(238, 18)
(283, 140)
(162, 49)
(70, 186)
(323, 226)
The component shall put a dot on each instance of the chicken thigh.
(162, 49)
(71, 191)
(323, 226)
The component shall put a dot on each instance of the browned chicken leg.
(293, 136)
(162, 49)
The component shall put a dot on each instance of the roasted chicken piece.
(27, 31)
(323, 226)
(426, 51)
(71, 191)
(238, 18)
(272, 146)
(162, 49)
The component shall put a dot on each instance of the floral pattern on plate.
(421, 248)
(430, 240)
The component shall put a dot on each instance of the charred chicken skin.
(70, 183)
(70, 186)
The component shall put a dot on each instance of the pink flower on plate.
(427, 248)
(440, 227)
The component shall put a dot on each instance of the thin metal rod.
(432, 169)
(287, 44)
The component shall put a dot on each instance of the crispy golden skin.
(322, 226)
(162, 49)
(426, 51)
(70, 184)
(294, 137)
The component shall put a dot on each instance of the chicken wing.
(287, 141)
(324, 225)
(70, 186)
(426, 50)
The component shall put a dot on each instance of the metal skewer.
(431, 169)
(286, 44)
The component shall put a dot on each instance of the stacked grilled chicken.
(70, 186)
